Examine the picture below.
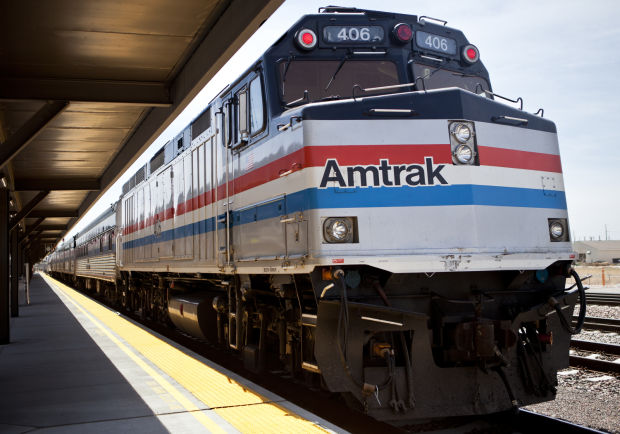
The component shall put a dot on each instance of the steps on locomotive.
(76, 364)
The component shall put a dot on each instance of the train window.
(325, 79)
(227, 123)
(438, 78)
(242, 114)
(257, 106)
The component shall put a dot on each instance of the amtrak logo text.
(384, 174)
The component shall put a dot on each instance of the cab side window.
(257, 106)
(244, 114)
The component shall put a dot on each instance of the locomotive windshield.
(327, 79)
(437, 78)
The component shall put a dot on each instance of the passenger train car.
(362, 207)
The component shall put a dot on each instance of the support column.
(22, 256)
(14, 272)
(4, 266)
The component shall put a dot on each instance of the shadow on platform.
(55, 378)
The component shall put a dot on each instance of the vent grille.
(202, 123)
(157, 161)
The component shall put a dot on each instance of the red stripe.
(316, 156)
(501, 157)
(370, 154)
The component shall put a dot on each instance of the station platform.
(76, 366)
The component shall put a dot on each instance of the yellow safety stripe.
(243, 408)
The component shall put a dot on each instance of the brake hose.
(582, 307)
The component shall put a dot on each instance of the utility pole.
(606, 234)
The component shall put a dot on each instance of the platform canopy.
(87, 85)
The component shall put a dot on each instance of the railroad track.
(602, 298)
(601, 324)
(595, 364)
(595, 347)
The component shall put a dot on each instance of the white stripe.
(521, 139)
(376, 132)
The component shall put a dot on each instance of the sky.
(559, 55)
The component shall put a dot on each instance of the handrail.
(488, 92)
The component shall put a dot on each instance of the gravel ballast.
(585, 397)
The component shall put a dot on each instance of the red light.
(403, 32)
(307, 38)
(470, 54)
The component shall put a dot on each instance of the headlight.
(463, 143)
(462, 132)
(338, 230)
(464, 154)
(558, 229)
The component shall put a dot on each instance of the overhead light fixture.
(3, 182)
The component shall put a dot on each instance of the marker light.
(470, 54)
(306, 39)
(402, 32)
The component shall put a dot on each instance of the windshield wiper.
(286, 67)
(331, 80)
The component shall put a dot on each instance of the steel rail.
(603, 324)
(594, 364)
(602, 298)
(597, 347)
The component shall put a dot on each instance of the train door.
(182, 205)
(199, 196)
(149, 211)
(223, 183)
(178, 205)
(258, 231)
(189, 207)
(164, 228)
(139, 225)
(128, 228)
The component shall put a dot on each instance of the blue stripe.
(438, 195)
(373, 197)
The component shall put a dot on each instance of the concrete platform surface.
(75, 366)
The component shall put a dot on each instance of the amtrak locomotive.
(361, 207)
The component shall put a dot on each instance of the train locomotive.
(362, 209)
